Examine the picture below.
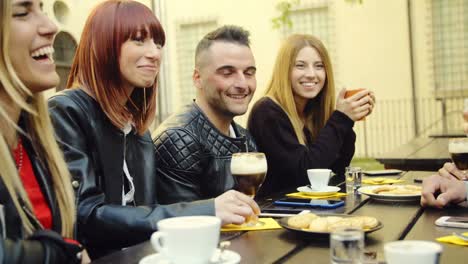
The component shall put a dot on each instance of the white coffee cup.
(187, 239)
(412, 251)
(319, 178)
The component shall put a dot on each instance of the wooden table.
(423, 154)
(401, 220)
(449, 134)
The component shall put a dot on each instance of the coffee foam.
(189, 222)
(248, 164)
(458, 147)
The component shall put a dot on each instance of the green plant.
(284, 8)
(353, 1)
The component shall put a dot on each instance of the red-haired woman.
(102, 126)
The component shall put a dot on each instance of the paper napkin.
(453, 240)
(378, 181)
(268, 223)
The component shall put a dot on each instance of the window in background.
(65, 47)
(188, 35)
(449, 25)
(316, 19)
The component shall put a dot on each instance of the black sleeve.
(346, 155)
(44, 246)
(274, 134)
(180, 163)
(101, 224)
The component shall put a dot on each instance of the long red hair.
(96, 62)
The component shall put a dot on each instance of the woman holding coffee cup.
(102, 125)
(37, 208)
(297, 124)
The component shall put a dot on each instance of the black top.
(288, 160)
(95, 150)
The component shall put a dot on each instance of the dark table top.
(449, 134)
(401, 220)
(423, 154)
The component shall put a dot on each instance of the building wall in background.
(369, 42)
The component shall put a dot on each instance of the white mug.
(412, 251)
(319, 178)
(187, 239)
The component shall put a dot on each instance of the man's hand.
(449, 170)
(233, 207)
(451, 191)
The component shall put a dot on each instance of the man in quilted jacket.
(194, 146)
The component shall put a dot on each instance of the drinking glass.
(458, 148)
(353, 177)
(249, 170)
(347, 245)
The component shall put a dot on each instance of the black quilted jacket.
(194, 157)
(94, 151)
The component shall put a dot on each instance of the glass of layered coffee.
(458, 148)
(249, 170)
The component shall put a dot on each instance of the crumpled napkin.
(268, 223)
(378, 181)
(310, 196)
(453, 240)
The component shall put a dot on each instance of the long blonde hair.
(317, 110)
(39, 130)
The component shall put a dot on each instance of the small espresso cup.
(319, 178)
(412, 251)
(187, 239)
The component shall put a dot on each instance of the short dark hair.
(227, 33)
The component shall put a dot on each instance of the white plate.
(325, 191)
(382, 172)
(228, 257)
(367, 190)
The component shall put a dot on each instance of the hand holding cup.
(356, 104)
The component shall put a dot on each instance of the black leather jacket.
(44, 246)
(194, 157)
(94, 150)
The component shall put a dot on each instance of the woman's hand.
(85, 257)
(356, 106)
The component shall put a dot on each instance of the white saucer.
(324, 191)
(228, 257)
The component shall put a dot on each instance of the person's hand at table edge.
(233, 207)
(451, 191)
(449, 170)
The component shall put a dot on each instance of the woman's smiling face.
(30, 45)
(308, 74)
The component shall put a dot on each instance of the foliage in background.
(284, 9)
(354, 1)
